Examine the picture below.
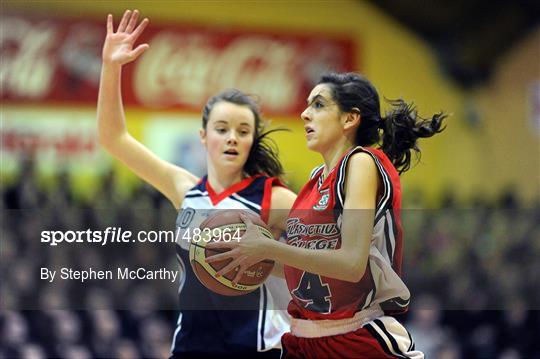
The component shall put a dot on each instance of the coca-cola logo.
(186, 70)
(59, 61)
(27, 69)
(43, 59)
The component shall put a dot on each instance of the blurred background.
(471, 206)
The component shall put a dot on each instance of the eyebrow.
(317, 96)
(227, 123)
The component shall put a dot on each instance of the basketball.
(227, 226)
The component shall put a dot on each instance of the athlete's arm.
(281, 203)
(347, 263)
(119, 50)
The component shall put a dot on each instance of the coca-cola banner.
(58, 61)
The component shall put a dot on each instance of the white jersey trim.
(387, 186)
(393, 337)
(246, 202)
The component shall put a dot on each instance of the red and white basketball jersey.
(315, 222)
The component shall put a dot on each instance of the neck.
(333, 154)
(223, 179)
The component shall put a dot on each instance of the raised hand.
(118, 47)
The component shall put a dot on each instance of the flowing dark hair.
(263, 156)
(397, 132)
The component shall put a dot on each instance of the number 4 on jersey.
(314, 293)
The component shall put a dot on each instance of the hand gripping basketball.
(244, 253)
(232, 267)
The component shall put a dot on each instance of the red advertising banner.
(57, 60)
(58, 140)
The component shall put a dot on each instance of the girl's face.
(322, 119)
(229, 135)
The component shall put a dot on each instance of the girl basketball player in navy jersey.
(344, 252)
(242, 174)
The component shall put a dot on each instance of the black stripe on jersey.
(371, 297)
(263, 321)
(321, 178)
(315, 171)
(395, 345)
(390, 233)
(402, 302)
(394, 231)
(195, 195)
(341, 176)
(394, 305)
(389, 249)
(386, 199)
(411, 347)
(380, 340)
(374, 290)
(253, 208)
(387, 195)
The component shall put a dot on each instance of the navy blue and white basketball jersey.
(213, 324)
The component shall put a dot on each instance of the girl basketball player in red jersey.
(344, 252)
(242, 174)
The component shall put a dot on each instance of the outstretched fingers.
(124, 22)
(139, 29)
(132, 21)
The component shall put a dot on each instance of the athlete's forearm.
(110, 110)
(339, 264)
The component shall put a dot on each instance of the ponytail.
(397, 133)
(401, 128)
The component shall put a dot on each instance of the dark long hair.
(263, 156)
(396, 132)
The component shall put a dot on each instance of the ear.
(352, 119)
(202, 135)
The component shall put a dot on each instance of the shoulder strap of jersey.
(267, 196)
(199, 190)
(385, 201)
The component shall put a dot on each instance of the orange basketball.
(227, 226)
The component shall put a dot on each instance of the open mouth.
(231, 152)
(309, 130)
